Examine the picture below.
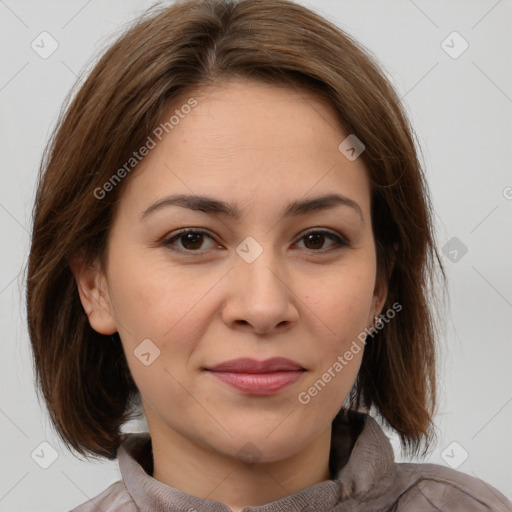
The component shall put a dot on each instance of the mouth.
(260, 378)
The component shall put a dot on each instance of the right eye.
(191, 240)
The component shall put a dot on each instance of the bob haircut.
(166, 55)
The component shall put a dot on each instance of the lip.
(254, 377)
(247, 365)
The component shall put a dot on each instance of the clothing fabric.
(364, 477)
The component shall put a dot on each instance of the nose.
(260, 296)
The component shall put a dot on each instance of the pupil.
(315, 236)
(192, 238)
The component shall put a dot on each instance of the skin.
(262, 147)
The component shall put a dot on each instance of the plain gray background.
(461, 109)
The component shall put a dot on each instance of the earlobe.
(93, 291)
(379, 299)
(382, 284)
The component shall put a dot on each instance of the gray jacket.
(364, 478)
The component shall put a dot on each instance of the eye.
(317, 237)
(192, 239)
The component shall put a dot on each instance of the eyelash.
(340, 242)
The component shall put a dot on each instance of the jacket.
(364, 478)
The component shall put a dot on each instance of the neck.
(210, 475)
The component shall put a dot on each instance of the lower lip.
(259, 383)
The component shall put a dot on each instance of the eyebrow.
(215, 207)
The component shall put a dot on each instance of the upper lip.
(247, 365)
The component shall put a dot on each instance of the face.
(267, 283)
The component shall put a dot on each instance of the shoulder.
(113, 499)
(432, 487)
(371, 480)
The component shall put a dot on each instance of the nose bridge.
(258, 265)
(261, 296)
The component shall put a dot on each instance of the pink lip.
(246, 365)
(258, 377)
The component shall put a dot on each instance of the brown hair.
(168, 53)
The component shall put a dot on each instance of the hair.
(166, 54)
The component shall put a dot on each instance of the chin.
(264, 448)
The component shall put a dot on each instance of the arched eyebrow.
(216, 207)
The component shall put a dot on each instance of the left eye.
(316, 236)
(192, 239)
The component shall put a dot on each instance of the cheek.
(165, 305)
(342, 307)
(344, 302)
(141, 293)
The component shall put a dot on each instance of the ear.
(93, 290)
(379, 297)
(382, 285)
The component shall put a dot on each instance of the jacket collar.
(361, 461)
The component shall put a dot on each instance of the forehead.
(255, 142)
(254, 116)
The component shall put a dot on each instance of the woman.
(232, 226)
